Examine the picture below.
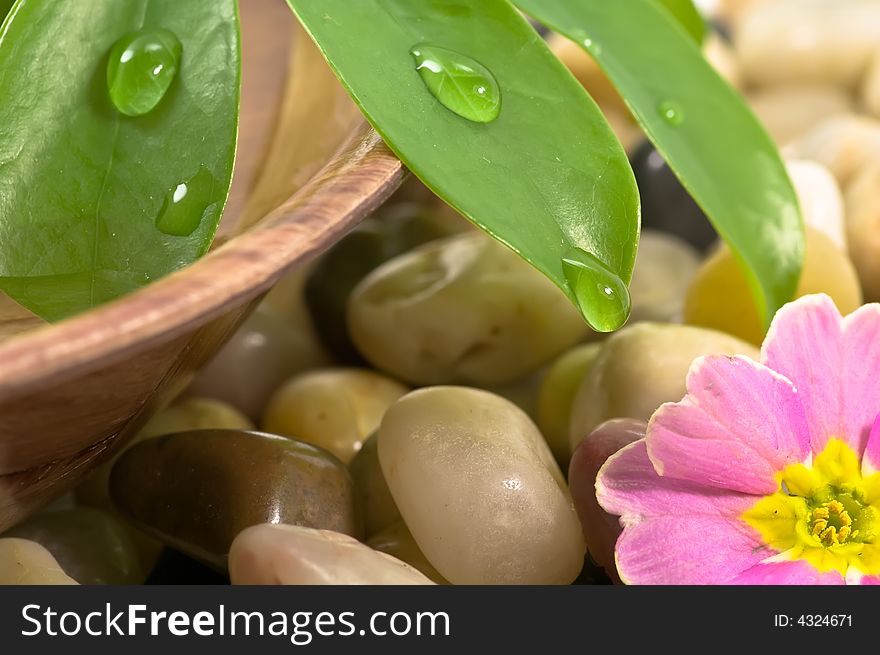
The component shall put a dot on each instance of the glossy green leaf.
(547, 176)
(688, 16)
(5, 6)
(83, 187)
(702, 127)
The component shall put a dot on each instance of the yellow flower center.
(825, 512)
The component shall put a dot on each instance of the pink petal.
(739, 425)
(833, 362)
(601, 529)
(675, 532)
(871, 458)
(860, 379)
(795, 572)
(870, 580)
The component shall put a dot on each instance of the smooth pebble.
(720, 296)
(844, 144)
(790, 111)
(600, 528)
(640, 368)
(264, 352)
(396, 540)
(808, 41)
(464, 309)
(336, 409)
(863, 229)
(558, 388)
(296, 555)
(195, 491)
(24, 562)
(371, 490)
(91, 546)
(820, 199)
(479, 489)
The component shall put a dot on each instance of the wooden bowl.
(308, 169)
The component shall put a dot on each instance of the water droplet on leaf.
(461, 84)
(188, 204)
(671, 112)
(142, 66)
(601, 295)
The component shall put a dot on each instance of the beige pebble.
(871, 86)
(24, 562)
(294, 555)
(808, 41)
(479, 489)
(465, 309)
(640, 368)
(371, 490)
(722, 57)
(264, 352)
(665, 266)
(820, 199)
(790, 111)
(558, 387)
(863, 229)
(843, 144)
(396, 540)
(336, 409)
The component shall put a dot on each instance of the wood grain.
(71, 393)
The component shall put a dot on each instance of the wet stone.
(479, 489)
(371, 490)
(262, 354)
(396, 540)
(195, 491)
(600, 528)
(24, 562)
(334, 408)
(294, 555)
(91, 546)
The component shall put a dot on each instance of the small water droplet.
(188, 204)
(142, 66)
(601, 295)
(671, 112)
(462, 85)
(592, 46)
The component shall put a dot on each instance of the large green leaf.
(688, 16)
(547, 177)
(5, 6)
(701, 126)
(81, 185)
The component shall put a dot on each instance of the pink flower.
(765, 473)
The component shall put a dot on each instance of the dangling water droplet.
(461, 84)
(142, 66)
(602, 296)
(188, 204)
(671, 112)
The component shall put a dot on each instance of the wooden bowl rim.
(357, 179)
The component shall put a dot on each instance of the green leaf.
(547, 177)
(702, 127)
(688, 17)
(5, 6)
(82, 186)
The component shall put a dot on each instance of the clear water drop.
(592, 46)
(602, 296)
(462, 85)
(671, 112)
(188, 204)
(141, 67)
